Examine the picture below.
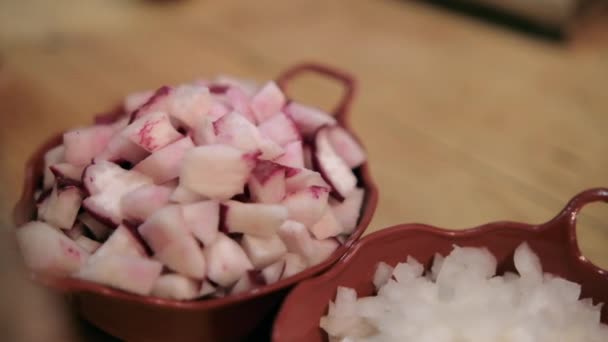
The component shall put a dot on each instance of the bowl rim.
(24, 208)
(564, 222)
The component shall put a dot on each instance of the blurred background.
(472, 111)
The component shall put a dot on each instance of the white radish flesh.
(348, 211)
(263, 251)
(165, 164)
(98, 229)
(121, 242)
(293, 156)
(176, 286)
(347, 147)
(307, 205)
(87, 244)
(51, 157)
(152, 131)
(308, 119)
(327, 226)
(267, 182)
(253, 218)
(273, 272)
(294, 264)
(144, 201)
(202, 219)
(82, 145)
(62, 207)
(333, 169)
(267, 102)
(226, 261)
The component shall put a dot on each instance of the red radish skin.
(333, 169)
(82, 145)
(152, 131)
(267, 102)
(53, 156)
(280, 129)
(347, 147)
(348, 211)
(307, 205)
(293, 156)
(144, 201)
(129, 273)
(253, 218)
(328, 226)
(308, 119)
(47, 250)
(202, 219)
(267, 182)
(165, 164)
(263, 251)
(176, 286)
(226, 261)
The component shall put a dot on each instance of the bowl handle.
(569, 214)
(348, 82)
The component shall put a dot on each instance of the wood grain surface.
(465, 122)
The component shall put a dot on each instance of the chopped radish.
(348, 211)
(87, 244)
(121, 242)
(166, 233)
(202, 219)
(298, 179)
(226, 261)
(176, 286)
(269, 149)
(82, 145)
(156, 102)
(68, 173)
(267, 182)
(250, 87)
(99, 230)
(307, 155)
(333, 169)
(189, 104)
(107, 183)
(346, 147)
(51, 157)
(165, 164)
(328, 226)
(206, 289)
(323, 249)
(121, 148)
(248, 281)
(307, 205)
(47, 250)
(280, 129)
(129, 273)
(62, 207)
(253, 218)
(239, 100)
(263, 251)
(217, 111)
(297, 239)
(142, 202)
(203, 133)
(235, 130)
(152, 131)
(185, 196)
(293, 156)
(136, 100)
(216, 171)
(273, 272)
(267, 102)
(76, 231)
(294, 263)
(308, 119)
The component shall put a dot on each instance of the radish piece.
(253, 218)
(297, 239)
(333, 169)
(239, 100)
(248, 281)
(152, 131)
(51, 157)
(217, 111)
(47, 250)
(269, 149)
(206, 289)
(156, 102)
(68, 173)
(267, 182)
(267, 102)
(121, 242)
(144, 201)
(99, 230)
(128, 273)
(216, 171)
(328, 226)
(87, 244)
(185, 196)
(108, 183)
(172, 243)
(203, 133)
(121, 148)
(176, 286)
(62, 207)
(308, 119)
(82, 145)
(249, 87)
(280, 129)
(203, 220)
(136, 100)
(294, 264)
(307, 155)
(165, 164)
(189, 104)
(298, 179)
(293, 156)
(76, 231)
(272, 273)
(347, 147)
(235, 130)
(263, 251)
(226, 261)
(307, 205)
(323, 249)
(348, 212)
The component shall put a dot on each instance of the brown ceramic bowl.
(554, 242)
(137, 318)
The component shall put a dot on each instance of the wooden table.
(465, 122)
